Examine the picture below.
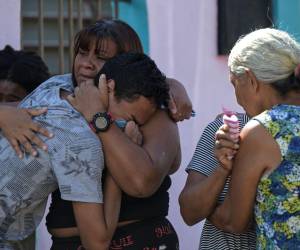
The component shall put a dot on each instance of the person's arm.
(19, 129)
(97, 222)
(199, 197)
(77, 162)
(109, 212)
(180, 105)
(257, 154)
(206, 179)
(138, 171)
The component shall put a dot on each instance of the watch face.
(101, 122)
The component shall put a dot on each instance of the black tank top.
(61, 211)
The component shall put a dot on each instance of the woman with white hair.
(264, 71)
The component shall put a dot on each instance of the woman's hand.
(19, 129)
(89, 99)
(133, 132)
(180, 105)
(225, 147)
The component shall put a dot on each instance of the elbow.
(189, 220)
(101, 244)
(141, 187)
(139, 192)
(235, 227)
(186, 212)
(96, 241)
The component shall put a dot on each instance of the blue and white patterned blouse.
(74, 163)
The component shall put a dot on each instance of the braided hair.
(24, 68)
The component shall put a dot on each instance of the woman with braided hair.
(20, 73)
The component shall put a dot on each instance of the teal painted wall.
(287, 16)
(135, 14)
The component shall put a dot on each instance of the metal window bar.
(116, 8)
(71, 32)
(99, 9)
(79, 11)
(61, 35)
(41, 28)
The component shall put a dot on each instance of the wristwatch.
(101, 122)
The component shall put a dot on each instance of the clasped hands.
(225, 148)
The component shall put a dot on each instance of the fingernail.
(51, 135)
(34, 153)
(45, 148)
(20, 156)
(102, 76)
(236, 146)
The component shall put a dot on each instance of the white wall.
(10, 23)
(183, 42)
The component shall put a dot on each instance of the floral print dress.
(277, 208)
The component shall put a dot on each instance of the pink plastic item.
(232, 121)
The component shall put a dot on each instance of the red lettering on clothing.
(122, 242)
(163, 230)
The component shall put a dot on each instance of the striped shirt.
(204, 162)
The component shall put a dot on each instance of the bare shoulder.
(160, 122)
(254, 132)
(258, 145)
(160, 135)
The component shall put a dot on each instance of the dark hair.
(120, 32)
(21, 67)
(135, 74)
(126, 39)
(284, 86)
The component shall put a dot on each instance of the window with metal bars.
(49, 26)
